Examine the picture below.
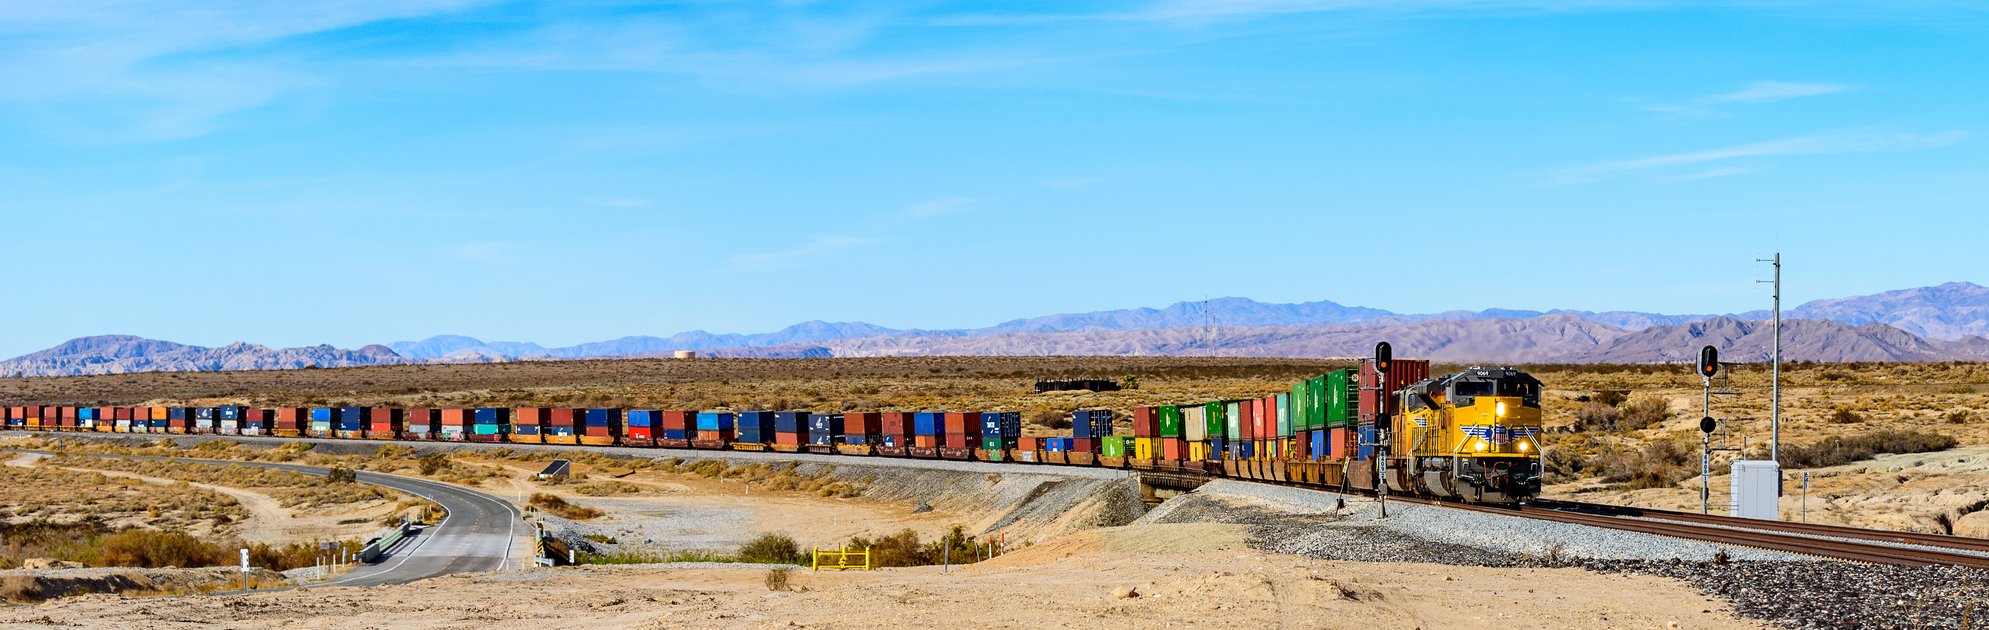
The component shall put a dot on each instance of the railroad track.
(1867, 547)
(1944, 541)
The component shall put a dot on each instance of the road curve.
(476, 535)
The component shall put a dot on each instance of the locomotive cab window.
(1528, 391)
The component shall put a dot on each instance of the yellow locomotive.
(1470, 436)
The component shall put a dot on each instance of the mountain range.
(1938, 323)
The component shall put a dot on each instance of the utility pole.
(1775, 370)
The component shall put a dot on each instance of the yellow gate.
(840, 559)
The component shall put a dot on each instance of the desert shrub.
(1843, 415)
(607, 488)
(904, 549)
(1051, 419)
(777, 579)
(1639, 413)
(1839, 449)
(1611, 397)
(341, 474)
(1958, 416)
(1655, 465)
(431, 464)
(772, 548)
(559, 507)
(1597, 415)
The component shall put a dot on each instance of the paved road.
(475, 536)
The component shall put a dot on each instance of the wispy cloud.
(818, 247)
(1754, 93)
(936, 207)
(1816, 144)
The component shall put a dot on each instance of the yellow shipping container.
(1198, 451)
(1144, 448)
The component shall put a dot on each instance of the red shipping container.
(1173, 449)
(641, 436)
(789, 438)
(384, 420)
(1248, 423)
(896, 423)
(1146, 422)
(456, 417)
(1338, 442)
(562, 417)
(963, 423)
(956, 440)
(1376, 396)
(679, 420)
(598, 431)
(529, 416)
(1267, 419)
(1084, 445)
(290, 418)
(1029, 444)
(120, 413)
(925, 441)
(863, 423)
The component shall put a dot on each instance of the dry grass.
(560, 508)
(289, 489)
(61, 496)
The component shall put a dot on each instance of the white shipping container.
(1756, 490)
(1197, 421)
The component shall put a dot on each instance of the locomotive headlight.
(1501, 408)
(1479, 446)
(1524, 446)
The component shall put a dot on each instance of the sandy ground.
(1181, 575)
(1898, 492)
(685, 512)
(269, 522)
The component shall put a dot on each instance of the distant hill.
(119, 354)
(1939, 323)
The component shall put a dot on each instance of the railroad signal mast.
(1384, 354)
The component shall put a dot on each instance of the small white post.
(245, 571)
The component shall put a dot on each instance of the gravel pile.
(1786, 590)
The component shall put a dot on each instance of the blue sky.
(352, 172)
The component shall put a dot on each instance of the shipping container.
(256, 421)
(177, 419)
(323, 423)
(823, 428)
(1365, 448)
(385, 423)
(755, 427)
(528, 425)
(639, 427)
(1195, 423)
(1091, 423)
(862, 427)
(290, 422)
(680, 421)
(963, 423)
(1083, 445)
(1001, 424)
(560, 426)
(1173, 449)
(601, 426)
(421, 423)
(203, 420)
(1144, 447)
(1112, 446)
(1341, 391)
(961, 440)
(1285, 424)
(352, 422)
(1170, 421)
(1146, 422)
(1233, 420)
(896, 423)
(1198, 451)
(1376, 394)
(928, 423)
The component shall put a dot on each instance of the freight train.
(1466, 436)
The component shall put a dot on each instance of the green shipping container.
(486, 429)
(1284, 415)
(1301, 407)
(991, 444)
(1112, 446)
(1315, 402)
(1213, 415)
(1235, 415)
(1341, 396)
(1170, 421)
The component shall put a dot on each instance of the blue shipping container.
(351, 418)
(1002, 424)
(640, 418)
(673, 434)
(824, 427)
(1088, 423)
(525, 429)
(888, 440)
(928, 423)
(602, 417)
(791, 422)
(1320, 442)
(176, 413)
(756, 427)
(559, 430)
(203, 413)
(714, 421)
(231, 413)
(86, 413)
(855, 440)
(1218, 448)
(488, 416)
(321, 414)
(1366, 447)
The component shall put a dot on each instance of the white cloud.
(1755, 93)
(1817, 144)
(819, 246)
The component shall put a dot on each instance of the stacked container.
(352, 422)
(1112, 446)
(290, 422)
(323, 423)
(1173, 434)
(455, 425)
(203, 420)
(562, 425)
(602, 426)
(160, 417)
(862, 428)
(228, 420)
(1376, 396)
(120, 419)
(1090, 423)
(1146, 433)
(1000, 429)
(421, 424)
(86, 419)
(790, 430)
(257, 421)
(385, 423)
(894, 432)
(178, 419)
(639, 429)
(677, 430)
(963, 435)
(489, 425)
(926, 429)
(528, 425)
(824, 427)
(67, 420)
(714, 430)
(1195, 430)
(755, 427)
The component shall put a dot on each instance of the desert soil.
(1190, 575)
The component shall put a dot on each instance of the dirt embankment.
(26, 586)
